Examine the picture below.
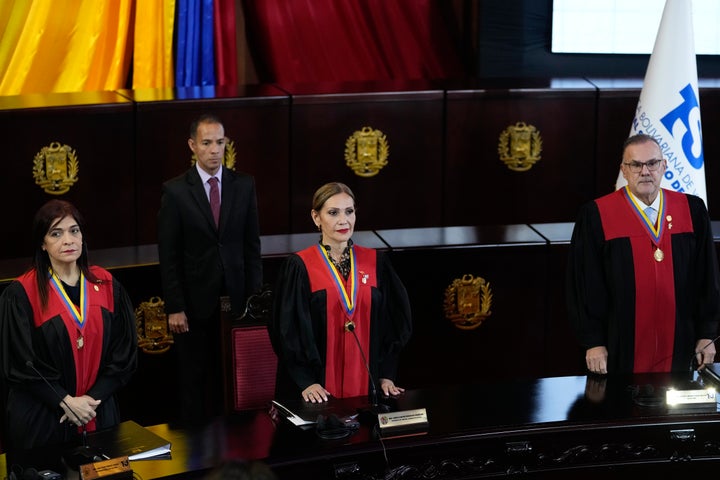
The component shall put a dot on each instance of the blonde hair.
(328, 190)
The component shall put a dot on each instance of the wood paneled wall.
(443, 165)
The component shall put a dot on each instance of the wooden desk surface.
(552, 418)
(560, 424)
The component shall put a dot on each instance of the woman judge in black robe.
(328, 295)
(71, 323)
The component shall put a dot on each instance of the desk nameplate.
(403, 419)
(691, 397)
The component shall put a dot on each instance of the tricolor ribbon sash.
(78, 316)
(655, 232)
(348, 298)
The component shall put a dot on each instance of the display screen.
(629, 27)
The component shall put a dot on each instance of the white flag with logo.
(669, 106)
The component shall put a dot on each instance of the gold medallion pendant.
(659, 255)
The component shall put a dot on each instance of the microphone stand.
(367, 415)
(83, 453)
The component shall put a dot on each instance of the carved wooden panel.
(480, 189)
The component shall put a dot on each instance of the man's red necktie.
(215, 199)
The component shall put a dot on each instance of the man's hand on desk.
(596, 359)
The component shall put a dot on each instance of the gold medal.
(80, 342)
(659, 255)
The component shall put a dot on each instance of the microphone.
(375, 406)
(78, 455)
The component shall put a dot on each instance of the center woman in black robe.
(327, 294)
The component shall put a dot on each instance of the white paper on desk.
(299, 422)
(294, 419)
(156, 452)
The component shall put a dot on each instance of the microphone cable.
(350, 327)
(87, 453)
(30, 364)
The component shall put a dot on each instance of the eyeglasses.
(636, 167)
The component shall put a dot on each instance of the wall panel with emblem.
(398, 126)
(256, 125)
(76, 147)
(506, 336)
(550, 123)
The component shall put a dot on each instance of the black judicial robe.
(33, 411)
(298, 329)
(680, 299)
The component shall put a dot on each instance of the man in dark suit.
(203, 256)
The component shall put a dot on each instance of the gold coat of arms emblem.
(55, 168)
(152, 327)
(366, 152)
(519, 146)
(467, 302)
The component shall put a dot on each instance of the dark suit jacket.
(196, 259)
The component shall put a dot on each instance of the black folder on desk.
(129, 438)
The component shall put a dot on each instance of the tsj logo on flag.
(669, 106)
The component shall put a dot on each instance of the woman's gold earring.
(318, 227)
